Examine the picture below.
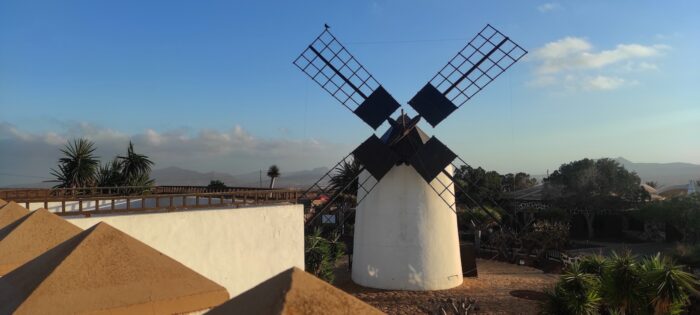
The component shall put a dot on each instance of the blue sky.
(211, 85)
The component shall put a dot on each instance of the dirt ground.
(500, 288)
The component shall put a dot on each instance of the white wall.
(406, 235)
(237, 248)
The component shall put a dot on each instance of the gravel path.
(500, 289)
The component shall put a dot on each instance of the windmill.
(405, 227)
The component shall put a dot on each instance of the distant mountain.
(298, 179)
(180, 176)
(663, 173)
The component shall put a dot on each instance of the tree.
(517, 181)
(483, 186)
(682, 212)
(590, 186)
(135, 168)
(78, 167)
(273, 172)
(652, 184)
(216, 185)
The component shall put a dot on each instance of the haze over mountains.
(662, 173)
(180, 176)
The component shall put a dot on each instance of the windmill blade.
(375, 156)
(337, 71)
(431, 159)
(482, 60)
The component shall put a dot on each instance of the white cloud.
(575, 57)
(234, 150)
(547, 7)
(603, 83)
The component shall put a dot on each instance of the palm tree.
(78, 167)
(135, 168)
(345, 178)
(109, 174)
(273, 172)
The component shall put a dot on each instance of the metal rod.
(475, 66)
(337, 72)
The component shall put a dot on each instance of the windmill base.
(406, 235)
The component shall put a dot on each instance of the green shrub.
(321, 254)
(621, 284)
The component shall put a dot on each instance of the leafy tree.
(135, 168)
(273, 173)
(484, 186)
(78, 167)
(517, 181)
(590, 186)
(682, 212)
(652, 184)
(216, 185)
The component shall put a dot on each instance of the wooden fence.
(103, 204)
(26, 193)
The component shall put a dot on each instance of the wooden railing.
(26, 193)
(102, 204)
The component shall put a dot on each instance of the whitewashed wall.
(406, 235)
(237, 248)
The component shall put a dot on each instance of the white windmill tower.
(405, 226)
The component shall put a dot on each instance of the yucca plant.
(78, 167)
(593, 264)
(135, 168)
(667, 284)
(620, 284)
(575, 293)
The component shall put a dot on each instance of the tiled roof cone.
(11, 212)
(104, 270)
(30, 236)
(294, 292)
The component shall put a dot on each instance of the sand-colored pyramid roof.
(11, 212)
(30, 236)
(2, 202)
(294, 292)
(103, 270)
